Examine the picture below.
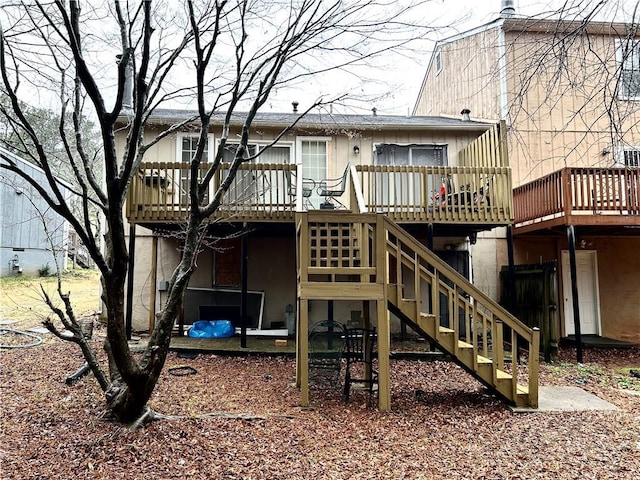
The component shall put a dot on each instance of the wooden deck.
(589, 197)
(475, 191)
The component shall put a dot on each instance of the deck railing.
(460, 306)
(579, 192)
(159, 192)
(437, 194)
(478, 190)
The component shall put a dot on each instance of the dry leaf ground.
(444, 425)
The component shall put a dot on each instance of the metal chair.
(331, 188)
(326, 344)
(308, 186)
(359, 352)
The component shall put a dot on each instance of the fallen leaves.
(239, 418)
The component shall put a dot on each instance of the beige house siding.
(466, 81)
(617, 281)
(569, 111)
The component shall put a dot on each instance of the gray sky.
(399, 85)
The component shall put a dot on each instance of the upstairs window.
(629, 61)
(438, 62)
(631, 157)
(187, 147)
(273, 154)
(415, 154)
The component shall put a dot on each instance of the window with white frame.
(628, 53)
(186, 148)
(630, 157)
(402, 188)
(313, 155)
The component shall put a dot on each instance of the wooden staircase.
(406, 279)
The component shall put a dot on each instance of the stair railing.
(460, 306)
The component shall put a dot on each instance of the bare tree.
(226, 56)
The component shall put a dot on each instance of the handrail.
(375, 252)
(482, 315)
(455, 194)
(579, 191)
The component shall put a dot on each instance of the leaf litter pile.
(239, 418)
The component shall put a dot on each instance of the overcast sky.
(403, 81)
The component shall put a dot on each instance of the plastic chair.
(359, 353)
(331, 188)
(326, 344)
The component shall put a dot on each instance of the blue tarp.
(211, 329)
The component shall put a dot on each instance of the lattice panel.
(335, 245)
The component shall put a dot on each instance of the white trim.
(300, 139)
(502, 75)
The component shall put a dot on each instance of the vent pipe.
(508, 9)
(127, 98)
(295, 106)
(465, 115)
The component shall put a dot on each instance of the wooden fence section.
(488, 150)
(581, 194)
(436, 194)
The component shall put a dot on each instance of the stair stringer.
(484, 366)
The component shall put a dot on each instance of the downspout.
(502, 73)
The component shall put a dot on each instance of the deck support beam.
(571, 237)
(128, 325)
(154, 283)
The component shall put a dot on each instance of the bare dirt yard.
(239, 418)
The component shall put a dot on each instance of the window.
(186, 147)
(260, 188)
(438, 62)
(630, 157)
(416, 154)
(629, 60)
(313, 154)
(402, 188)
(274, 154)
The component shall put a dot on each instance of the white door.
(587, 293)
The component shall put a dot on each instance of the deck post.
(384, 348)
(244, 261)
(383, 320)
(303, 351)
(571, 237)
(154, 282)
(513, 301)
(128, 325)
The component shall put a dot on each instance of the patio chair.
(308, 186)
(326, 344)
(359, 353)
(332, 188)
